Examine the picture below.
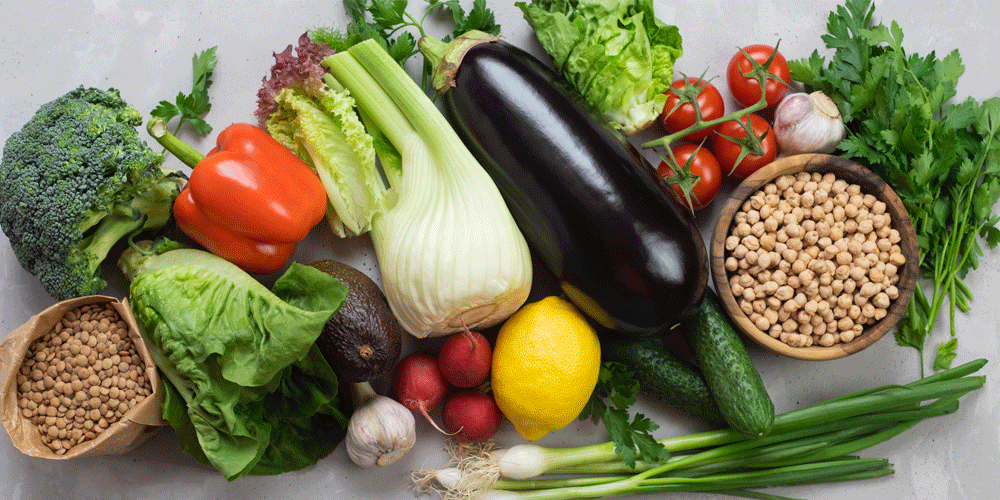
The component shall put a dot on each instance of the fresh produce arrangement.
(538, 261)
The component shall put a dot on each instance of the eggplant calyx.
(447, 57)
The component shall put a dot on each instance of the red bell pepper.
(250, 200)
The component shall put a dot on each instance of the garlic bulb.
(807, 123)
(380, 430)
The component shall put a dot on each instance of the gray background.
(144, 49)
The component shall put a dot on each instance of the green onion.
(813, 444)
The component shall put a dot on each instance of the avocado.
(362, 341)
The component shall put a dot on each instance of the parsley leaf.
(479, 18)
(192, 107)
(612, 397)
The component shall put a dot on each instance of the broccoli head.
(74, 181)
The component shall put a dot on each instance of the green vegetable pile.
(248, 392)
(74, 181)
(941, 157)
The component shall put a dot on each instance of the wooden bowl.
(870, 184)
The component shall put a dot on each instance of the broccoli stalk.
(76, 180)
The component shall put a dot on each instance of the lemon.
(545, 366)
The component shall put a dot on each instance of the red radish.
(471, 416)
(465, 358)
(419, 385)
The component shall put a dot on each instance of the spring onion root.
(813, 444)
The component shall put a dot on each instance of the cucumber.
(731, 376)
(669, 380)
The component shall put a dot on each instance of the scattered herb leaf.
(191, 108)
(612, 397)
(945, 354)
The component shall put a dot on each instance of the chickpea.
(845, 324)
(768, 242)
(881, 300)
(784, 292)
(732, 263)
(820, 327)
(775, 331)
(764, 260)
(897, 259)
(762, 323)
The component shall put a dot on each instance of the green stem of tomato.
(700, 124)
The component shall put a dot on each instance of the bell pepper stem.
(157, 127)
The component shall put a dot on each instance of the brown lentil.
(64, 379)
(830, 265)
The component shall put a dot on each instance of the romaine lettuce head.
(248, 391)
(615, 53)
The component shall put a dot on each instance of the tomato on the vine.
(710, 103)
(703, 166)
(728, 152)
(746, 89)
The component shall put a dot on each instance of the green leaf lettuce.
(615, 53)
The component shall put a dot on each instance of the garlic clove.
(807, 123)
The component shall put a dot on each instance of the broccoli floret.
(74, 181)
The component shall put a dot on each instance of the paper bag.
(135, 426)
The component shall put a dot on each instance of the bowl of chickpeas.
(814, 257)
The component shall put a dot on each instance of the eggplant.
(588, 203)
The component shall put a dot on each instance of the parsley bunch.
(389, 23)
(941, 157)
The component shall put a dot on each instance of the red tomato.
(746, 90)
(710, 103)
(727, 151)
(704, 166)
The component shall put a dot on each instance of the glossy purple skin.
(588, 204)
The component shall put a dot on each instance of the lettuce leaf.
(323, 130)
(616, 53)
(247, 390)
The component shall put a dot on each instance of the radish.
(471, 416)
(419, 385)
(465, 358)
